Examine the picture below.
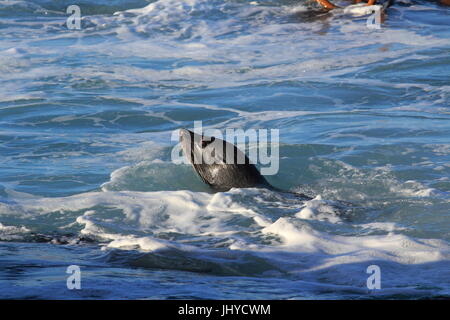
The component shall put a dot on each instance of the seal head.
(220, 164)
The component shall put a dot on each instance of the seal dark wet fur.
(220, 164)
(228, 168)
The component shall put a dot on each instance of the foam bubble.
(319, 209)
(10, 233)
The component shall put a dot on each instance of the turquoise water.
(86, 177)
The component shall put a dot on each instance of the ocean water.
(86, 177)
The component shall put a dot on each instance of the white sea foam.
(361, 9)
(320, 209)
(10, 233)
(177, 18)
(414, 189)
(229, 227)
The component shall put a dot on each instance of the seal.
(222, 165)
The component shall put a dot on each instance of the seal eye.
(206, 142)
